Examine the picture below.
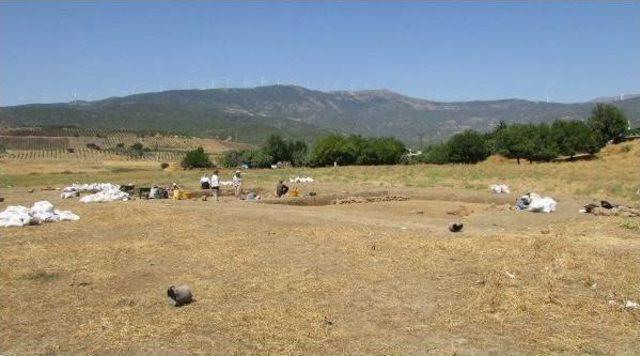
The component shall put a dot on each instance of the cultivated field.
(380, 278)
(60, 144)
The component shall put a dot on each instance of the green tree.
(543, 147)
(467, 147)
(277, 148)
(196, 159)
(515, 141)
(299, 153)
(256, 158)
(334, 148)
(386, 150)
(231, 159)
(608, 122)
(435, 154)
(573, 137)
(261, 159)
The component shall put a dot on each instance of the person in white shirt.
(204, 182)
(215, 184)
(237, 183)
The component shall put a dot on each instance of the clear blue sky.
(574, 51)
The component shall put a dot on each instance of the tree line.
(342, 150)
(533, 142)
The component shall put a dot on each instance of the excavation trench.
(377, 196)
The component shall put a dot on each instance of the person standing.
(237, 183)
(215, 184)
(204, 182)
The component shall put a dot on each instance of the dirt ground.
(385, 277)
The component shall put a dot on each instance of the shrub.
(196, 159)
(164, 165)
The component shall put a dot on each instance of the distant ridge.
(253, 114)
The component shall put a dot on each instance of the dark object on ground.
(312, 194)
(181, 294)
(455, 227)
(589, 207)
(605, 204)
(127, 188)
(1, 199)
(144, 192)
(281, 189)
(607, 209)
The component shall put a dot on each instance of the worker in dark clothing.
(281, 189)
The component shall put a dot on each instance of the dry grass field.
(381, 278)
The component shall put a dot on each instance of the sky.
(571, 51)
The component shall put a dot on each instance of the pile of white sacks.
(535, 203)
(102, 192)
(499, 189)
(301, 180)
(40, 212)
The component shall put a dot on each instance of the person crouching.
(281, 189)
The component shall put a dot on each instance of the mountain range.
(250, 115)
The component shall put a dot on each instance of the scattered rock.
(629, 304)
(455, 226)
(180, 295)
